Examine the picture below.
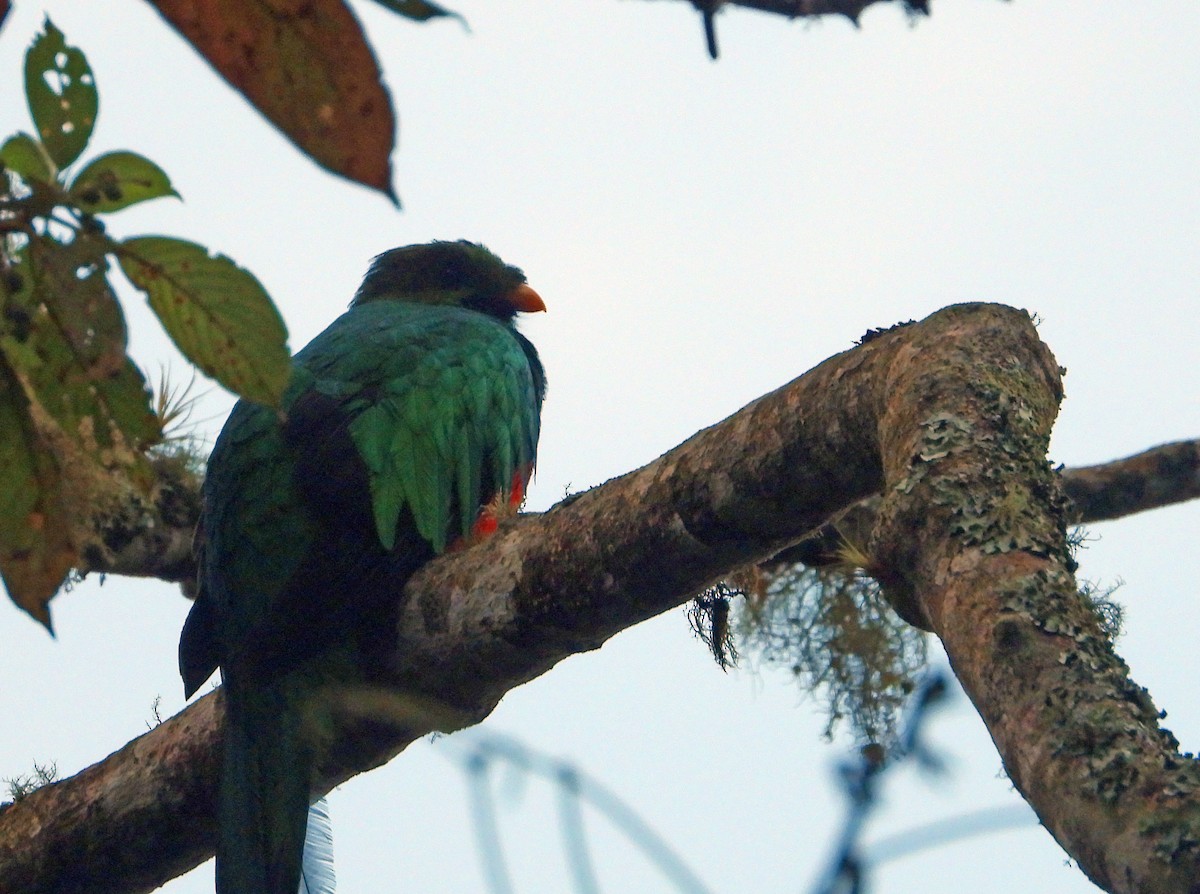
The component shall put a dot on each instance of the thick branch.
(948, 417)
(482, 621)
(971, 542)
(157, 542)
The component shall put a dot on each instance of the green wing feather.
(447, 388)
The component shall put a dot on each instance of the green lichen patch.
(1176, 833)
(1050, 601)
(1008, 498)
(1110, 724)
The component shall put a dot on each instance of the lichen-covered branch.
(150, 536)
(949, 418)
(971, 542)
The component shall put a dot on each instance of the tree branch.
(156, 541)
(1158, 477)
(795, 9)
(949, 418)
(1154, 478)
(150, 537)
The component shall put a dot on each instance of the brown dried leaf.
(306, 65)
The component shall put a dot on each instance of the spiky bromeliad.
(414, 411)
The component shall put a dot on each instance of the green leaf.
(62, 95)
(35, 543)
(23, 155)
(75, 414)
(118, 180)
(217, 313)
(419, 10)
(64, 335)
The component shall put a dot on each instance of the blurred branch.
(851, 9)
(478, 751)
(862, 778)
(574, 838)
(860, 783)
(948, 831)
(487, 828)
(794, 9)
(1161, 476)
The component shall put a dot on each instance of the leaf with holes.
(62, 95)
(70, 352)
(216, 312)
(118, 180)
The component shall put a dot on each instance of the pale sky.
(702, 233)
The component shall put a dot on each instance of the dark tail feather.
(198, 645)
(264, 790)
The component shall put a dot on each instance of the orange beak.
(526, 300)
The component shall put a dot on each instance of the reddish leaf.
(306, 65)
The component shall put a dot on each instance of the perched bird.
(410, 424)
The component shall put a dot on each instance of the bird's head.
(461, 274)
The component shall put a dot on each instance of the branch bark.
(949, 418)
(155, 540)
